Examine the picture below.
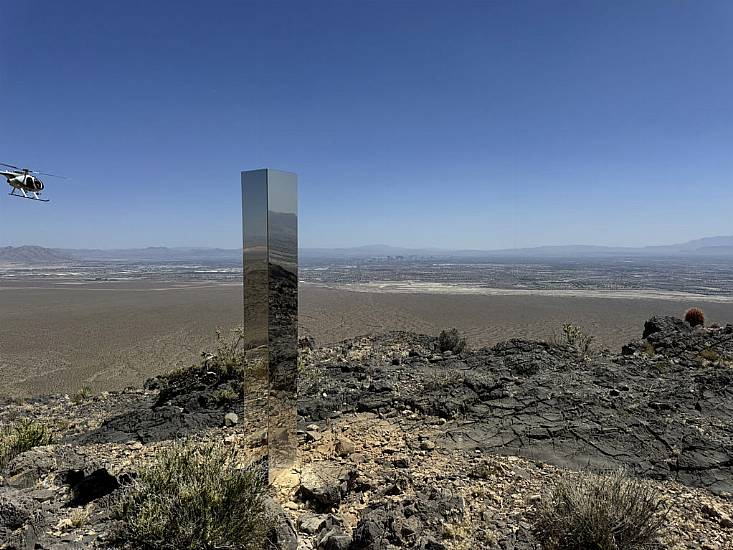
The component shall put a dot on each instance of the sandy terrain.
(60, 338)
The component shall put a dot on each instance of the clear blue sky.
(417, 123)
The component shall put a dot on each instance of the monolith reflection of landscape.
(270, 245)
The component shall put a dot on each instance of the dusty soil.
(111, 336)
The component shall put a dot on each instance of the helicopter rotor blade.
(10, 166)
(47, 174)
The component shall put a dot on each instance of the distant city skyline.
(417, 124)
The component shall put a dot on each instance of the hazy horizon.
(727, 238)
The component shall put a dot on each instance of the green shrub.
(451, 340)
(226, 395)
(710, 355)
(226, 363)
(649, 349)
(577, 338)
(195, 498)
(602, 512)
(21, 437)
(82, 395)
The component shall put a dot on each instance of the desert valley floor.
(108, 336)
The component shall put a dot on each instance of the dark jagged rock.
(20, 523)
(666, 326)
(157, 424)
(282, 533)
(186, 402)
(688, 346)
(307, 342)
(87, 487)
(323, 486)
(664, 416)
(412, 523)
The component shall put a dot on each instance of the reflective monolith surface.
(270, 246)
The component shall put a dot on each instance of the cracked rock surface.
(665, 413)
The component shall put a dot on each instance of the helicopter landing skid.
(24, 196)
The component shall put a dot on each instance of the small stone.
(344, 446)
(711, 511)
(427, 445)
(715, 513)
(23, 480)
(313, 436)
(311, 525)
(320, 486)
(335, 540)
(231, 419)
(64, 524)
(42, 495)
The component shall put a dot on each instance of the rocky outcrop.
(404, 446)
(682, 344)
(181, 403)
(662, 416)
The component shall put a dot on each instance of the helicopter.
(25, 181)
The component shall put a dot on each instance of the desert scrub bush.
(442, 379)
(649, 349)
(575, 337)
(695, 317)
(451, 340)
(20, 437)
(194, 498)
(224, 396)
(82, 395)
(710, 355)
(308, 368)
(227, 362)
(460, 534)
(602, 512)
(79, 517)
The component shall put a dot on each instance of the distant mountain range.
(709, 246)
(38, 254)
(32, 255)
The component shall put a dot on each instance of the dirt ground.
(59, 338)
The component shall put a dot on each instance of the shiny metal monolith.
(270, 236)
